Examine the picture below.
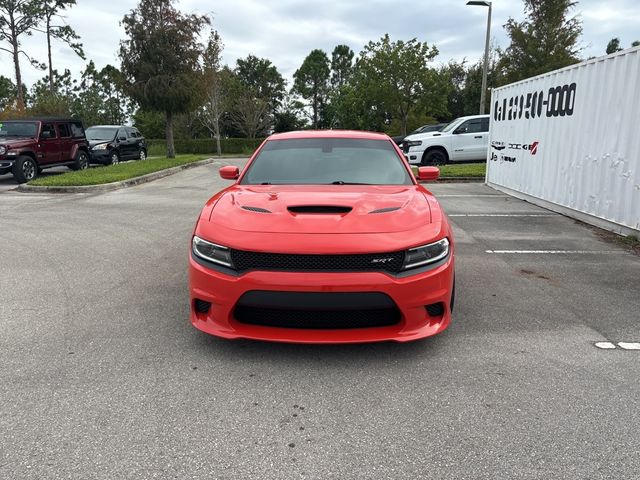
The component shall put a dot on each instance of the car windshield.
(327, 161)
(450, 126)
(101, 133)
(18, 129)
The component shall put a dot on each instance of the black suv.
(111, 144)
(29, 146)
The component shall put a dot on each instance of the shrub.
(244, 146)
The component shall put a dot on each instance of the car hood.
(16, 141)
(423, 136)
(93, 143)
(322, 209)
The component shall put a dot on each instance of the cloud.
(287, 30)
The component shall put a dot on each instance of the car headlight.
(426, 254)
(212, 252)
(413, 143)
(3, 149)
(102, 146)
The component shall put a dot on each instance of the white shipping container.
(569, 140)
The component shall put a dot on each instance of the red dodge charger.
(325, 237)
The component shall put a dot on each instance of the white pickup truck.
(464, 140)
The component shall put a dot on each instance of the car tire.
(81, 162)
(434, 157)
(25, 169)
(143, 154)
(114, 158)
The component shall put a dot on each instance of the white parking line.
(470, 195)
(503, 215)
(559, 252)
(623, 345)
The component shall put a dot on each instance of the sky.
(285, 31)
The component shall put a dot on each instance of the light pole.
(482, 3)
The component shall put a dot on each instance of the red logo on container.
(533, 148)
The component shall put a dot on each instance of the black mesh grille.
(317, 319)
(201, 306)
(255, 209)
(435, 309)
(389, 262)
(385, 210)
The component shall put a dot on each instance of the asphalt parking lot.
(104, 378)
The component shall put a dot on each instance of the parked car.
(423, 129)
(111, 144)
(29, 146)
(465, 139)
(325, 237)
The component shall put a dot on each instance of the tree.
(250, 114)
(341, 65)
(546, 40)
(613, 46)
(260, 75)
(51, 10)
(396, 79)
(8, 92)
(59, 103)
(289, 116)
(160, 60)
(18, 18)
(311, 82)
(215, 82)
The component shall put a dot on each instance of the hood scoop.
(319, 209)
(255, 209)
(385, 210)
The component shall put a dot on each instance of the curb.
(106, 187)
(461, 180)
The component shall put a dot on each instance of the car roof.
(44, 119)
(356, 134)
(470, 117)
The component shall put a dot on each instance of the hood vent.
(256, 209)
(385, 210)
(320, 209)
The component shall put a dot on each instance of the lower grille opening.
(316, 310)
(201, 306)
(435, 309)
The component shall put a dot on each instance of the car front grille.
(388, 262)
(317, 310)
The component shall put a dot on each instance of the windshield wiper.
(341, 182)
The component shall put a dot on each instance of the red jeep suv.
(29, 146)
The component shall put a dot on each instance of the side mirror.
(45, 134)
(460, 130)
(428, 174)
(122, 139)
(230, 172)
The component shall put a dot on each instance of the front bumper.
(100, 156)
(6, 165)
(411, 294)
(413, 155)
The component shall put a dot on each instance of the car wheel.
(143, 155)
(82, 161)
(434, 157)
(25, 169)
(114, 158)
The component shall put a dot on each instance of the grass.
(114, 173)
(461, 170)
